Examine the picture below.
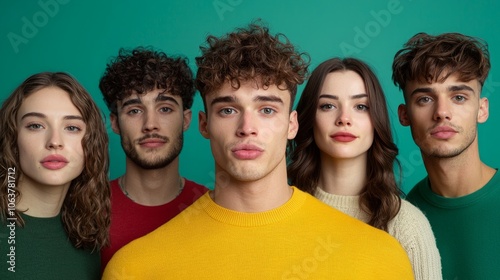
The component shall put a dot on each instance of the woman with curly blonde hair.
(54, 193)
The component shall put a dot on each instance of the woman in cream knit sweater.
(344, 155)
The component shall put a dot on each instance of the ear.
(115, 126)
(188, 114)
(484, 111)
(202, 124)
(403, 115)
(293, 126)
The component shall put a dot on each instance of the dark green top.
(42, 250)
(467, 229)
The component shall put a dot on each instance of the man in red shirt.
(149, 95)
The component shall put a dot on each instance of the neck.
(39, 200)
(457, 176)
(343, 176)
(260, 195)
(152, 187)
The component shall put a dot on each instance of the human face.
(343, 128)
(151, 127)
(443, 116)
(248, 130)
(50, 133)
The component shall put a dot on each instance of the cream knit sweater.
(410, 227)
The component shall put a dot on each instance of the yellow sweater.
(302, 239)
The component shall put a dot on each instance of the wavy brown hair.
(427, 58)
(380, 197)
(142, 70)
(250, 53)
(85, 212)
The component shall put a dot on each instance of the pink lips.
(247, 151)
(54, 162)
(343, 137)
(152, 143)
(443, 132)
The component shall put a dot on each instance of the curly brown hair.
(250, 54)
(142, 70)
(85, 212)
(380, 197)
(427, 58)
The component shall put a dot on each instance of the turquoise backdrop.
(79, 37)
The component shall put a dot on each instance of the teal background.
(79, 37)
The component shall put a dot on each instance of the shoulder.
(342, 223)
(413, 231)
(316, 207)
(411, 227)
(416, 193)
(115, 189)
(154, 247)
(191, 192)
(409, 216)
(193, 185)
(114, 185)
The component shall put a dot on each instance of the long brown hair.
(380, 197)
(86, 208)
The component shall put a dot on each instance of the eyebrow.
(163, 97)
(159, 98)
(268, 98)
(450, 88)
(260, 98)
(222, 99)
(335, 97)
(460, 88)
(131, 102)
(43, 116)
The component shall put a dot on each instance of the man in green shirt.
(441, 78)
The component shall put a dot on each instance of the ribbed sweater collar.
(342, 201)
(243, 219)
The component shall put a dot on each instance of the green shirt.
(42, 250)
(467, 229)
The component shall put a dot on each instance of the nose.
(150, 121)
(343, 118)
(246, 125)
(442, 111)
(55, 140)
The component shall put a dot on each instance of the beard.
(152, 159)
(438, 152)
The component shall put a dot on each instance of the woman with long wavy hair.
(344, 155)
(54, 193)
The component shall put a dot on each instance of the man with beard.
(149, 95)
(253, 225)
(441, 78)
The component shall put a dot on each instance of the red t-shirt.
(130, 220)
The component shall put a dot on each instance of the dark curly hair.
(85, 212)
(434, 58)
(380, 197)
(250, 54)
(141, 70)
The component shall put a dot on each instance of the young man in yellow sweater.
(253, 225)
